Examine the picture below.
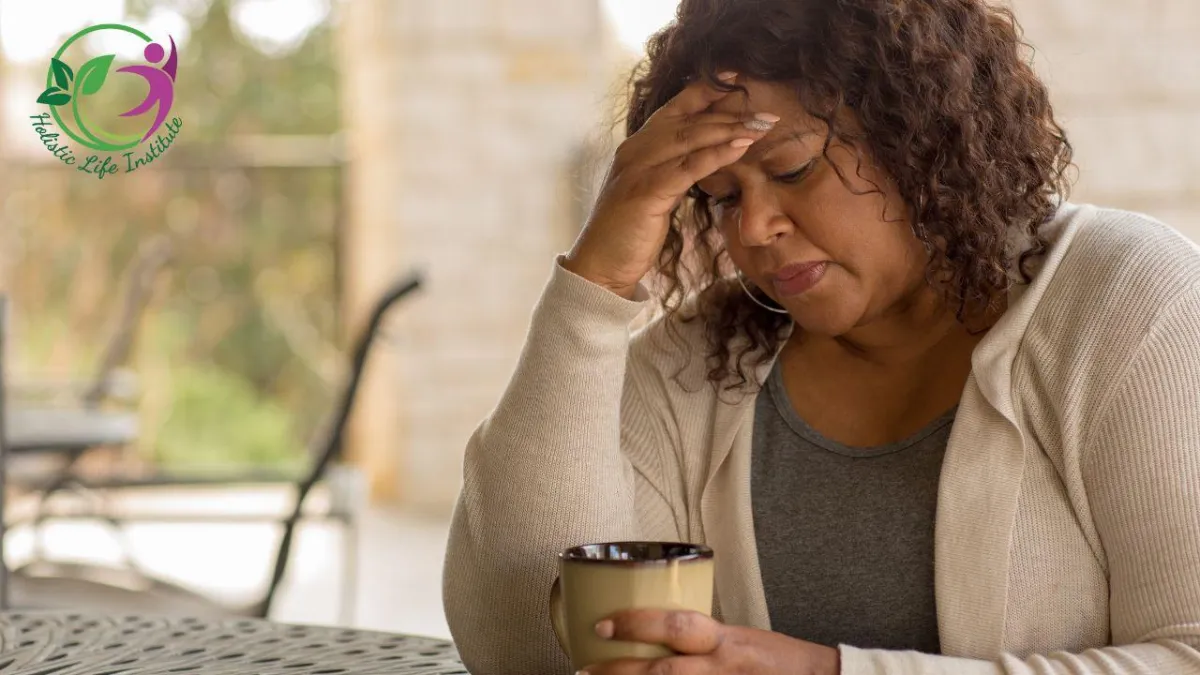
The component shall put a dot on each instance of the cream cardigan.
(1068, 522)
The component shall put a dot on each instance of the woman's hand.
(653, 169)
(708, 647)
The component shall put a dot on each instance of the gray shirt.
(845, 535)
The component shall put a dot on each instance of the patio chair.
(67, 433)
(62, 585)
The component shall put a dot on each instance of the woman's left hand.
(708, 647)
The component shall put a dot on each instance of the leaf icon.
(54, 96)
(62, 74)
(93, 73)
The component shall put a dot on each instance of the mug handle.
(558, 615)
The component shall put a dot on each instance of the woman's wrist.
(574, 266)
(828, 662)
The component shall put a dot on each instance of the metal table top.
(88, 644)
(33, 429)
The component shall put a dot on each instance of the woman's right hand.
(653, 169)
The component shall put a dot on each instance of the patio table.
(90, 644)
(67, 429)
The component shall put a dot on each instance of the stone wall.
(1125, 81)
(465, 120)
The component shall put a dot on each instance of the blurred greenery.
(199, 432)
(237, 354)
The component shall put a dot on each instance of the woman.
(933, 417)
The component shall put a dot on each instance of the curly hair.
(946, 102)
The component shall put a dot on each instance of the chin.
(826, 321)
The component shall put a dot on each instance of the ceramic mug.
(598, 580)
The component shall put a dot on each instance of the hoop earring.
(760, 303)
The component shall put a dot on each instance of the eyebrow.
(758, 151)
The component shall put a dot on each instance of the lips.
(798, 278)
(794, 270)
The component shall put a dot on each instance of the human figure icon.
(161, 81)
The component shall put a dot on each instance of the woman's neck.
(883, 381)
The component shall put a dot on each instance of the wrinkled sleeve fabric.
(573, 453)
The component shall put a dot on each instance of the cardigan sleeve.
(1141, 472)
(572, 454)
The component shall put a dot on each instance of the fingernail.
(605, 629)
(758, 125)
(726, 76)
(767, 117)
(742, 143)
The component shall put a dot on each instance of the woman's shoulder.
(1109, 277)
(1111, 258)
(1118, 246)
(1117, 286)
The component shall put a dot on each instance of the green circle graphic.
(93, 140)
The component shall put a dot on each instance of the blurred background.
(202, 311)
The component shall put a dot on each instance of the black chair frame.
(328, 449)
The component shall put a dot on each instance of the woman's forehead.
(760, 97)
(769, 97)
(777, 99)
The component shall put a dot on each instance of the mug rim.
(696, 552)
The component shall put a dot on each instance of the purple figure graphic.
(162, 84)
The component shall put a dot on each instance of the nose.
(760, 220)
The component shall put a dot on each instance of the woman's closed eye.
(789, 178)
(797, 175)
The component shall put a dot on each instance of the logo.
(118, 114)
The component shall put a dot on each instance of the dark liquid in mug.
(638, 552)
